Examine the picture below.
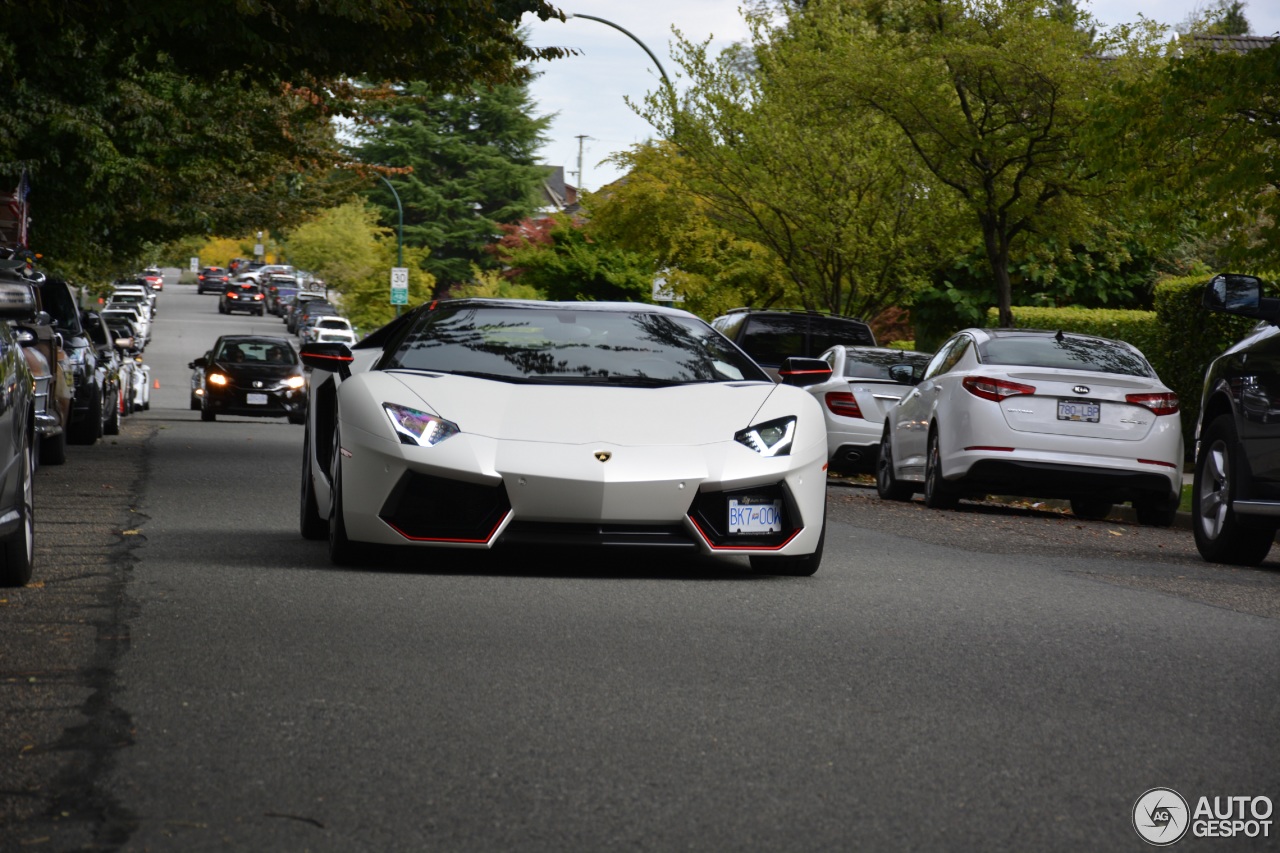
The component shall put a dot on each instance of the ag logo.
(603, 455)
(1161, 816)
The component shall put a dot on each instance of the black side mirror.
(1241, 295)
(803, 372)
(335, 358)
(199, 362)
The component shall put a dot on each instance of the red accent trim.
(986, 447)
(331, 357)
(801, 372)
(778, 547)
(1157, 462)
(483, 541)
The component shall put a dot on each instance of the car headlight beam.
(295, 382)
(217, 379)
(417, 427)
(771, 438)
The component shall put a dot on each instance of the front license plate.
(746, 516)
(255, 399)
(1079, 410)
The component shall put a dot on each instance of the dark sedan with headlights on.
(249, 376)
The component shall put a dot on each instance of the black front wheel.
(311, 523)
(1220, 535)
(342, 550)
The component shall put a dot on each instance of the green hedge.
(1191, 338)
(1179, 337)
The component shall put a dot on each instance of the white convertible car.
(480, 423)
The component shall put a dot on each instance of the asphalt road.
(188, 674)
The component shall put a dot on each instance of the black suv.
(771, 337)
(1235, 502)
(88, 409)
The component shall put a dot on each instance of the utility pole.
(582, 137)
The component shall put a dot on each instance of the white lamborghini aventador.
(482, 423)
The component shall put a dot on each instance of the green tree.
(1202, 136)
(653, 213)
(832, 192)
(573, 266)
(143, 121)
(993, 97)
(468, 164)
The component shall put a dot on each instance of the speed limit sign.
(399, 285)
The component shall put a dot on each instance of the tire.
(311, 524)
(208, 414)
(342, 550)
(112, 426)
(195, 403)
(938, 493)
(888, 486)
(1091, 509)
(1220, 537)
(53, 449)
(801, 566)
(17, 550)
(90, 429)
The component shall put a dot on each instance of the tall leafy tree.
(1202, 133)
(467, 162)
(832, 192)
(993, 97)
(136, 121)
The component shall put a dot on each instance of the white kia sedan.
(484, 423)
(864, 383)
(1037, 414)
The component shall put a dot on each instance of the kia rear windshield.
(1067, 353)
(568, 346)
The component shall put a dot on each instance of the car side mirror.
(335, 358)
(803, 372)
(903, 374)
(1230, 293)
(199, 362)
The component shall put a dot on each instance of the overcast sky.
(587, 91)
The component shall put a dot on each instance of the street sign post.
(399, 285)
(195, 265)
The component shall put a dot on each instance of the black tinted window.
(534, 344)
(827, 332)
(772, 340)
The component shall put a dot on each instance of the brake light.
(1159, 404)
(995, 389)
(842, 403)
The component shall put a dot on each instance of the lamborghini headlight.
(418, 428)
(772, 438)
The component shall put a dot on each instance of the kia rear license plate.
(255, 399)
(755, 515)
(1079, 410)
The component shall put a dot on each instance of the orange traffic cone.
(157, 384)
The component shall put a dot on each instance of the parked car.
(212, 280)
(1037, 414)
(770, 337)
(111, 363)
(88, 412)
(249, 375)
(1235, 496)
(52, 380)
(121, 292)
(864, 383)
(18, 302)
(130, 355)
(644, 427)
(137, 317)
(277, 290)
(242, 296)
(324, 329)
(303, 303)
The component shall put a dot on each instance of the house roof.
(1237, 44)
